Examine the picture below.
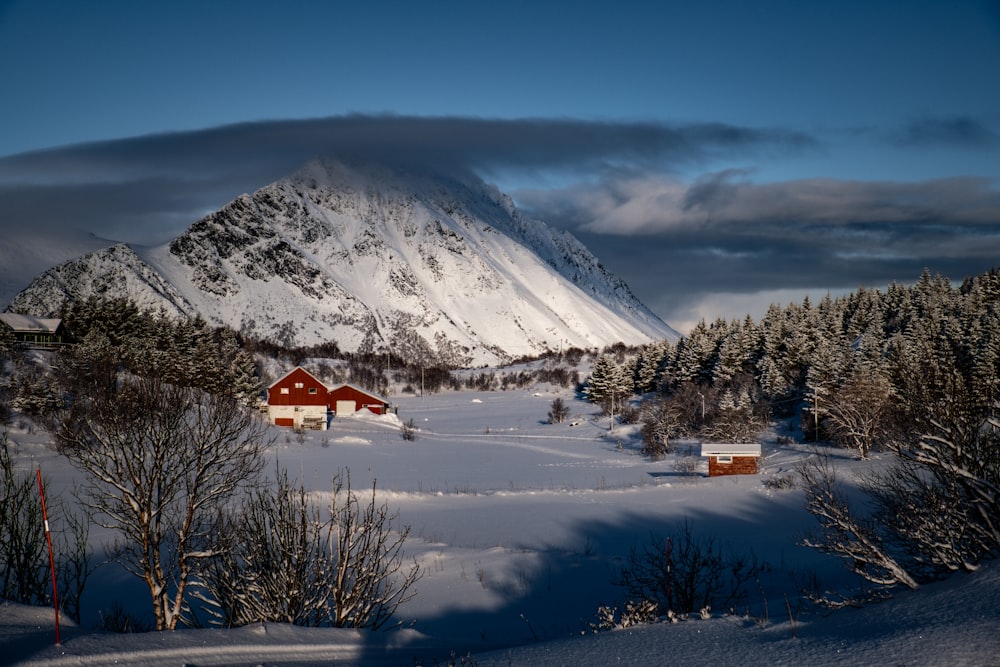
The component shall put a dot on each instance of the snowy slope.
(355, 254)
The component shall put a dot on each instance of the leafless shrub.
(118, 619)
(843, 533)
(687, 574)
(780, 482)
(290, 563)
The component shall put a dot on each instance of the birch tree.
(860, 413)
(843, 533)
(159, 461)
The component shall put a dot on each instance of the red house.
(299, 400)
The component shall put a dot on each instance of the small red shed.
(346, 399)
(731, 458)
(298, 399)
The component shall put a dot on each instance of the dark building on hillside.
(30, 331)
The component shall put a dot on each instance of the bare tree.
(160, 460)
(929, 519)
(843, 533)
(290, 564)
(661, 421)
(955, 466)
(859, 413)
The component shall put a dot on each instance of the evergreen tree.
(609, 385)
(697, 354)
(646, 366)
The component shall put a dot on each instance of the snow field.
(519, 527)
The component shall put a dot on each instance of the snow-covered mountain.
(25, 253)
(367, 256)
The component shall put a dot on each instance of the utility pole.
(612, 410)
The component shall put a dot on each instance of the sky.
(716, 155)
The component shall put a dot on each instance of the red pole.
(670, 603)
(52, 560)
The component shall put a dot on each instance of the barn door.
(346, 408)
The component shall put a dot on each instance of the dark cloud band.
(697, 235)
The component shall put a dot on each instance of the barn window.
(284, 390)
(724, 459)
(312, 390)
(299, 385)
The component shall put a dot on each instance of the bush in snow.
(289, 562)
(685, 572)
(639, 612)
(558, 412)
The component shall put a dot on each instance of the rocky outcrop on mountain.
(115, 271)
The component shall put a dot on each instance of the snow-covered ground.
(520, 526)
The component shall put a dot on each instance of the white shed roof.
(19, 322)
(731, 449)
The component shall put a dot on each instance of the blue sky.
(741, 151)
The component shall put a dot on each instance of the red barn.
(732, 458)
(347, 399)
(299, 400)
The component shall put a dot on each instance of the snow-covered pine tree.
(609, 385)
(697, 353)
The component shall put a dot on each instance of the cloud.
(445, 142)
(148, 188)
(681, 245)
(956, 131)
(727, 201)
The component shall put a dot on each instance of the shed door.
(346, 408)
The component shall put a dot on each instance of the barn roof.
(357, 389)
(19, 322)
(731, 449)
(297, 368)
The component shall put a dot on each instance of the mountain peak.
(374, 255)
